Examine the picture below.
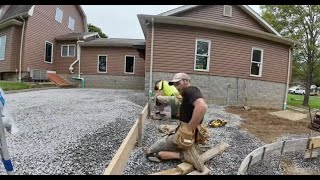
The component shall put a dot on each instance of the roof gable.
(245, 8)
(15, 10)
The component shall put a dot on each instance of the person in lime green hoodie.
(166, 95)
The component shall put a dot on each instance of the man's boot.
(192, 156)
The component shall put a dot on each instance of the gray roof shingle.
(74, 36)
(15, 10)
(116, 42)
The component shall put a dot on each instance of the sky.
(121, 21)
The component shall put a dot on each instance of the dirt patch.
(268, 127)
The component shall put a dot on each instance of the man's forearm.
(197, 116)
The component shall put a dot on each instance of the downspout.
(78, 59)
(151, 60)
(288, 77)
(78, 55)
(21, 44)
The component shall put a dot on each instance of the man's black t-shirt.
(190, 94)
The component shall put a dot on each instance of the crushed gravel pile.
(70, 131)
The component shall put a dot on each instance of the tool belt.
(185, 137)
(202, 134)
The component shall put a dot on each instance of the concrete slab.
(290, 115)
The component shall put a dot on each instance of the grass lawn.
(297, 100)
(8, 85)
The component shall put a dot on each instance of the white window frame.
(99, 63)
(58, 10)
(5, 43)
(45, 51)
(74, 22)
(125, 64)
(195, 55)
(261, 62)
(224, 11)
(68, 45)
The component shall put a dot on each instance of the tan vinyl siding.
(115, 60)
(42, 27)
(230, 55)
(12, 49)
(215, 13)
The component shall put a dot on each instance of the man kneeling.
(182, 144)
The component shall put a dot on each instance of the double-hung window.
(202, 55)
(256, 62)
(68, 50)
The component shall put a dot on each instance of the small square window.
(227, 10)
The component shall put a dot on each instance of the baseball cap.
(177, 77)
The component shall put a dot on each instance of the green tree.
(300, 23)
(93, 28)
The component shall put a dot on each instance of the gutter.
(288, 77)
(21, 47)
(24, 14)
(9, 23)
(151, 60)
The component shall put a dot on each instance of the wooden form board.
(315, 141)
(119, 160)
(270, 149)
(186, 168)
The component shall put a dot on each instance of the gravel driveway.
(78, 131)
(69, 131)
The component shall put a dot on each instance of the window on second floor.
(71, 23)
(68, 50)
(227, 10)
(2, 47)
(59, 15)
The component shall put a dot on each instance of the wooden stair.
(59, 81)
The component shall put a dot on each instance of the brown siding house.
(229, 51)
(39, 25)
(51, 37)
(42, 27)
